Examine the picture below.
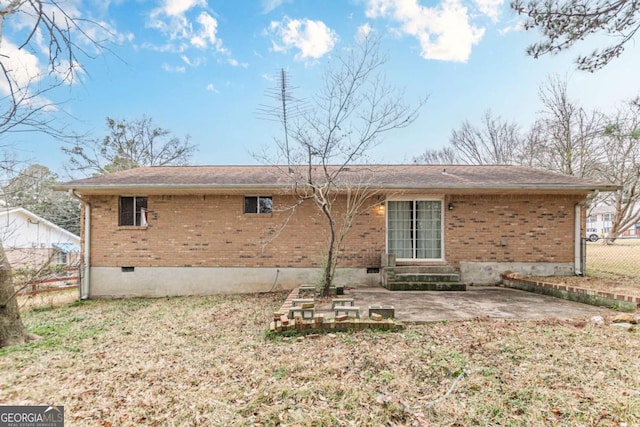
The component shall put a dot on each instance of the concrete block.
(347, 310)
(386, 311)
(375, 316)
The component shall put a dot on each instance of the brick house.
(158, 231)
(31, 241)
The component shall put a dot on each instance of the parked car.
(592, 237)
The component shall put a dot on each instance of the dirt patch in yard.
(211, 361)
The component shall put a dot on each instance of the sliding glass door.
(414, 229)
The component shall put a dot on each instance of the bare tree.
(32, 188)
(564, 23)
(44, 31)
(531, 152)
(621, 166)
(569, 133)
(441, 156)
(354, 109)
(564, 138)
(128, 145)
(494, 142)
(56, 35)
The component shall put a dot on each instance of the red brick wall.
(510, 228)
(212, 231)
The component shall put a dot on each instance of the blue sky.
(201, 68)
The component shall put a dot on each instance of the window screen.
(258, 204)
(132, 210)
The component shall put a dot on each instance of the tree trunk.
(610, 238)
(12, 330)
(327, 277)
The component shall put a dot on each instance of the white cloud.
(191, 62)
(212, 88)
(270, 5)
(173, 69)
(491, 8)
(444, 31)
(363, 31)
(68, 72)
(86, 28)
(236, 63)
(174, 18)
(313, 39)
(34, 69)
(207, 34)
(23, 67)
(167, 47)
(515, 28)
(24, 72)
(179, 7)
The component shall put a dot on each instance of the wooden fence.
(50, 284)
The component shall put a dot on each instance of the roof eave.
(165, 189)
(235, 188)
(511, 188)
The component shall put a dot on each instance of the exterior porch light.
(450, 206)
(381, 208)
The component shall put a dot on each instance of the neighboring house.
(157, 231)
(31, 241)
(599, 222)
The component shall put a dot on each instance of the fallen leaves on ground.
(210, 361)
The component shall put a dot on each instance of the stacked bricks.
(281, 323)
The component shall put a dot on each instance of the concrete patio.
(476, 302)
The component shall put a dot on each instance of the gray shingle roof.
(392, 177)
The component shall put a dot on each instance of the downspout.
(84, 284)
(577, 262)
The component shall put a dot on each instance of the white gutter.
(84, 284)
(535, 187)
(577, 264)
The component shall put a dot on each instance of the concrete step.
(426, 286)
(432, 269)
(427, 277)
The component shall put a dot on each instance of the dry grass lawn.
(611, 268)
(620, 258)
(209, 361)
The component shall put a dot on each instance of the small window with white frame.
(133, 211)
(258, 205)
(62, 258)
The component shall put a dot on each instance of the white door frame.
(417, 198)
